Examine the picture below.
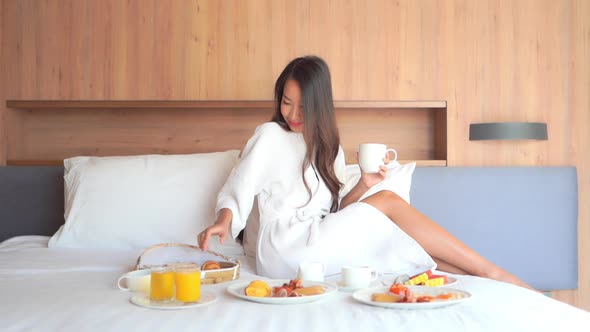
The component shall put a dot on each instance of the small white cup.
(136, 281)
(312, 271)
(358, 276)
(371, 156)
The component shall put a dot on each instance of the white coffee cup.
(312, 271)
(358, 276)
(371, 156)
(136, 281)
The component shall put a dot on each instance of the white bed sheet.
(75, 290)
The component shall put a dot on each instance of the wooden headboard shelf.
(44, 132)
(204, 104)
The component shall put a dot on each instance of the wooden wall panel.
(491, 60)
(577, 111)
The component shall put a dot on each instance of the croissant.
(210, 265)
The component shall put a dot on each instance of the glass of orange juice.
(188, 283)
(162, 284)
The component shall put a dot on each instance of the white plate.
(237, 289)
(144, 301)
(364, 296)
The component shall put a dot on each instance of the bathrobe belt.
(314, 219)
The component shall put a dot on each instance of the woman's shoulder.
(272, 131)
(269, 128)
(272, 138)
(265, 134)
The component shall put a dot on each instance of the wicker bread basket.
(189, 254)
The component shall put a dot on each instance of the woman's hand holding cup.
(373, 160)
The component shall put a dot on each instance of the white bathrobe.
(294, 229)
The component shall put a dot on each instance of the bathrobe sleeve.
(340, 170)
(250, 175)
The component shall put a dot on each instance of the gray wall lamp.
(508, 131)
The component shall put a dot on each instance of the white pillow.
(398, 180)
(138, 201)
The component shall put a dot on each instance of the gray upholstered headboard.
(31, 200)
(522, 218)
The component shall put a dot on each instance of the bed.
(72, 286)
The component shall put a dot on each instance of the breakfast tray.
(172, 254)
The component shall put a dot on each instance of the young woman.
(295, 166)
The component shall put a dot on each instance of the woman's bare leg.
(447, 267)
(437, 242)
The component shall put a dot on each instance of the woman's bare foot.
(501, 275)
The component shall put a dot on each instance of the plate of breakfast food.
(281, 291)
(399, 296)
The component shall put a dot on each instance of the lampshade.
(508, 131)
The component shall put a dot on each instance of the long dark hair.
(319, 122)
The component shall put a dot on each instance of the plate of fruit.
(281, 291)
(427, 278)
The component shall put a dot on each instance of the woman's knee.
(385, 195)
(384, 200)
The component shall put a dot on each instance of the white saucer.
(348, 289)
(144, 301)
